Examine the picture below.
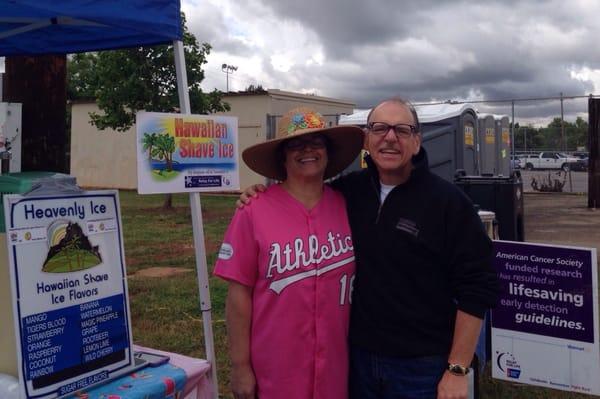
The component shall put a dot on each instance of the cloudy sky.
(424, 50)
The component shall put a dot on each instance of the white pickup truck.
(548, 160)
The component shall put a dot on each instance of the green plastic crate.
(22, 182)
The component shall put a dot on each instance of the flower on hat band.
(308, 120)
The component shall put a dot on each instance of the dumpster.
(501, 195)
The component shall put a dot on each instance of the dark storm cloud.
(342, 24)
(426, 50)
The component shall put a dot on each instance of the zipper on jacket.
(378, 193)
(372, 168)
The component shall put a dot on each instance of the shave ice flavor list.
(73, 336)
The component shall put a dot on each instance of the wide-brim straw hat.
(346, 143)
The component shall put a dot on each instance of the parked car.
(581, 165)
(581, 154)
(548, 160)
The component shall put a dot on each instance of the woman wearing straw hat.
(289, 261)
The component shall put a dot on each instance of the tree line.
(530, 138)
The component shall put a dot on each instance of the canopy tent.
(35, 27)
(72, 26)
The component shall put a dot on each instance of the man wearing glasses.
(424, 276)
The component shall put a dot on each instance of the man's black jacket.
(421, 255)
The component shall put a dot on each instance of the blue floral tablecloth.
(162, 382)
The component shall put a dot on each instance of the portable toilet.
(487, 147)
(502, 126)
(449, 134)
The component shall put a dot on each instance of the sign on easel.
(186, 153)
(69, 291)
(545, 326)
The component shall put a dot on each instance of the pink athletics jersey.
(301, 265)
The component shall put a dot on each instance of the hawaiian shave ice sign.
(69, 291)
(545, 326)
(186, 153)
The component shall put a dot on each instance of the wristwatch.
(457, 369)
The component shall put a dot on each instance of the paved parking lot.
(575, 182)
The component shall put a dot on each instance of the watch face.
(457, 369)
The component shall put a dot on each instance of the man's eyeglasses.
(300, 143)
(401, 129)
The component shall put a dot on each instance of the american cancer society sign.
(545, 326)
(186, 153)
(69, 290)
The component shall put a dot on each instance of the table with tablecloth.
(182, 377)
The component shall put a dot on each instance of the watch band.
(457, 369)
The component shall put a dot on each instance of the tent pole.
(198, 229)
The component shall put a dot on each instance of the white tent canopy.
(427, 113)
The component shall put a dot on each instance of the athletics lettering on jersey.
(293, 256)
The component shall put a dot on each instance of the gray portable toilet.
(502, 126)
(449, 133)
(487, 144)
(449, 136)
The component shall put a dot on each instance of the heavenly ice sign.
(186, 153)
(69, 291)
(544, 327)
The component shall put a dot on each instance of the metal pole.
(228, 69)
(594, 155)
(198, 230)
(525, 138)
(512, 128)
(562, 125)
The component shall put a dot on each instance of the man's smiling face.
(392, 153)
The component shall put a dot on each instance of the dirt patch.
(160, 272)
(562, 219)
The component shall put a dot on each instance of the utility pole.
(562, 124)
(228, 69)
(594, 147)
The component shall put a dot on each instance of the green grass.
(165, 311)
(164, 175)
